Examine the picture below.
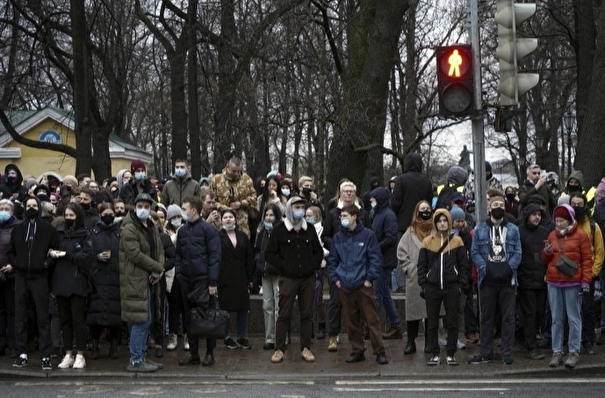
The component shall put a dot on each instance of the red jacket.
(576, 246)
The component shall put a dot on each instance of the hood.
(577, 174)
(289, 221)
(530, 209)
(119, 177)
(438, 214)
(381, 194)
(567, 208)
(412, 162)
(374, 183)
(19, 179)
(457, 176)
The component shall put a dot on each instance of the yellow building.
(55, 125)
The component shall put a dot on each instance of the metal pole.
(562, 151)
(477, 118)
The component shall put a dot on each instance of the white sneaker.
(185, 342)
(460, 345)
(67, 362)
(80, 362)
(173, 342)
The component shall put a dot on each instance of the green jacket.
(136, 264)
(178, 189)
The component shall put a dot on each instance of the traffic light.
(455, 80)
(511, 50)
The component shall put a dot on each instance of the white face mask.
(143, 214)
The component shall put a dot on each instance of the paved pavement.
(255, 364)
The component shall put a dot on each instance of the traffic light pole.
(477, 118)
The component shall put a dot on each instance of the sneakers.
(307, 355)
(231, 344)
(173, 342)
(278, 356)
(557, 360)
(434, 361)
(451, 360)
(185, 342)
(80, 362)
(153, 363)
(333, 343)
(479, 360)
(141, 367)
(381, 359)
(572, 360)
(460, 345)
(21, 361)
(159, 351)
(244, 343)
(507, 360)
(535, 354)
(268, 345)
(67, 362)
(46, 365)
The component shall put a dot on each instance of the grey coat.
(408, 250)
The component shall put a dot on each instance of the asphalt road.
(590, 386)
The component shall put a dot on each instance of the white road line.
(469, 382)
(421, 389)
(163, 383)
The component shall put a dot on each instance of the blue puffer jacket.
(384, 225)
(354, 257)
(198, 252)
(481, 245)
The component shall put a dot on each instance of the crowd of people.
(83, 261)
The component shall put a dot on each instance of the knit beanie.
(172, 211)
(564, 211)
(457, 213)
(137, 164)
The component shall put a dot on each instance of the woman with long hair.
(71, 283)
(407, 254)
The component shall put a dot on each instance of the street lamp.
(568, 120)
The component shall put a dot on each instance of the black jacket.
(105, 303)
(130, 191)
(531, 271)
(71, 273)
(237, 269)
(198, 252)
(293, 254)
(410, 188)
(31, 260)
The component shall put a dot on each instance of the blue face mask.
(285, 192)
(176, 222)
(143, 214)
(311, 221)
(268, 225)
(229, 227)
(180, 172)
(184, 216)
(4, 215)
(298, 214)
(373, 204)
(140, 176)
(345, 223)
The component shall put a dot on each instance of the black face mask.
(31, 213)
(425, 215)
(573, 188)
(120, 214)
(580, 213)
(498, 213)
(11, 179)
(85, 206)
(510, 196)
(307, 191)
(69, 224)
(107, 219)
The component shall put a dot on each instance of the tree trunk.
(192, 91)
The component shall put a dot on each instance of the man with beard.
(579, 203)
(234, 190)
(496, 251)
(531, 271)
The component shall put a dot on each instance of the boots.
(393, 333)
(95, 349)
(113, 350)
(410, 347)
(321, 332)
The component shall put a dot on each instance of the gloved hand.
(585, 288)
(597, 291)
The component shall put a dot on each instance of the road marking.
(467, 382)
(422, 389)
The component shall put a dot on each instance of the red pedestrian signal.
(455, 80)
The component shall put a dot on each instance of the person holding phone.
(536, 184)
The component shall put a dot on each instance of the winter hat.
(457, 213)
(563, 199)
(71, 179)
(457, 175)
(137, 164)
(173, 211)
(488, 166)
(564, 211)
(30, 183)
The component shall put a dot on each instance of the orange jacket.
(576, 246)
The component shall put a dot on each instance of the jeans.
(334, 311)
(319, 306)
(140, 331)
(72, 312)
(470, 316)
(383, 297)
(270, 305)
(564, 300)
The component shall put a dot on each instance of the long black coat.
(105, 307)
(70, 275)
(236, 272)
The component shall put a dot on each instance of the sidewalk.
(255, 364)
